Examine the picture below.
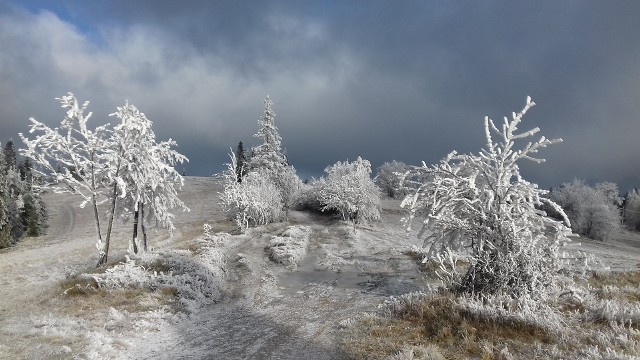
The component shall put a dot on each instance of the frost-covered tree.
(593, 212)
(389, 177)
(480, 205)
(73, 155)
(261, 189)
(269, 158)
(105, 165)
(632, 210)
(143, 172)
(256, 200)
(349, 190)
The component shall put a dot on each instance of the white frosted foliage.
(349, 190)
(479, 207)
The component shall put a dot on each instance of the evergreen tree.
(269, 157)
(34, 213)
(241, 162)
(10, 155)
(5, 226)
(269, 154)
(25, 168)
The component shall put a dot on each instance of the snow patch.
(290, 247)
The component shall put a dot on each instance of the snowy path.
(276, 313)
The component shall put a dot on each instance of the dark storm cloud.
(390, 80)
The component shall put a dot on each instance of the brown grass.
(617, 279)
(437, 321)
(81, 295)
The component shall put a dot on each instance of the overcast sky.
(385, 80)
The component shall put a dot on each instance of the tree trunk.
(95, 213)
(94, 202)
(144, 230)
(105, 250)
(134, 240)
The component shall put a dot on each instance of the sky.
(385, 80)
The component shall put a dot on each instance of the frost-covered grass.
(290, 247)
(194, 279)
(183, 279)
(98, 310)
(597, 319)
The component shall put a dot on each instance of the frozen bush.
(256, 199)
(479, 205)
(390, 178)
(197, 279)
(593, 212)
(349, 190)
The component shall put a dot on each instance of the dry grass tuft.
(438, 322)
(617, 279)
(78, 286)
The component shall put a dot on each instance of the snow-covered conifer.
(269, 153)
(269, 158)
(349, 190)
(481, 206)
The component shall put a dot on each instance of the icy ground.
(266, 310)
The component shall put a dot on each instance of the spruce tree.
(5, 226)
(241, 162)
(33, 215)
(10, 155)
(269, 157)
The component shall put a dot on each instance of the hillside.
(252, 307)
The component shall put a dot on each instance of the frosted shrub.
(256, 199)
(479, 205)
(307, 197)
(349, 190)
(390, 178)
(198, 279)
(593, 212)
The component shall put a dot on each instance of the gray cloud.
(408, 81)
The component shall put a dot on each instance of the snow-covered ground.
(264, 309)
